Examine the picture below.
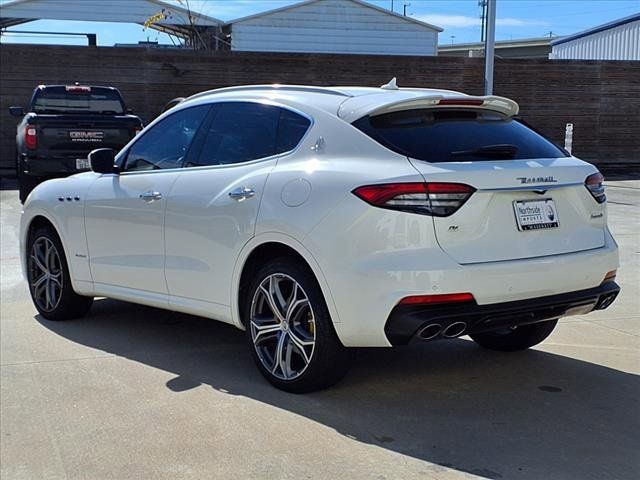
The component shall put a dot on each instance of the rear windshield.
(456, 136)
(96, 100)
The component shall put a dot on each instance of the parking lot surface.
(131, 392)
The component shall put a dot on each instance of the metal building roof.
(358, 2)
(599, 28)
(124, 11)
(519, 43)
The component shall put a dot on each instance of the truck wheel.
(49, 280)
(289, 329)
(519, 338)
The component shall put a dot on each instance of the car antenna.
(392, 85)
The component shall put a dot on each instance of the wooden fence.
(601, 99)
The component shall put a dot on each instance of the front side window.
(165, 145)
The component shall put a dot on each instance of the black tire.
(328, 360)
(68, 303)
(26, 183)
(519, 338)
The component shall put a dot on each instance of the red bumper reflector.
(434, 299)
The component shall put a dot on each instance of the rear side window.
(456, 136)
(94, 100)
(240, 132)
(291, 129)
(245, 131)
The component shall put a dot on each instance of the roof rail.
(288, 88)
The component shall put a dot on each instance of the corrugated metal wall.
(618, 43)
(333, 26)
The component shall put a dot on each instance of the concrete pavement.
(131, 392)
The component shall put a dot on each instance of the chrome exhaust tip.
(454, 330)
(430, 331)
(605, 301)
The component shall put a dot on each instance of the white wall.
(334, 26)
(618, 43)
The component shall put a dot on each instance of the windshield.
(456, 136)
(94, 100)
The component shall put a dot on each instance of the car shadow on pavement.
(529, 415)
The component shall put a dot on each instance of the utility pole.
(482, 4)
(489, 46)
(404, 8)
(392, 5)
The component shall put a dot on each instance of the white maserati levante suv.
(318, 219)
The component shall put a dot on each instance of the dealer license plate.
(536, 214)
(82, 164)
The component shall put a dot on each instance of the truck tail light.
(435, 199)
(77, 89)
(595, 185)
(30, 137)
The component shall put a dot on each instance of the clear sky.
(459, 18)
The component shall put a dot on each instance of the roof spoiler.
(503, 105)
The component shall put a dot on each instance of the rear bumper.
(366, 297)
(407, 323)
(52, 166)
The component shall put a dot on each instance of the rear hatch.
(528, 197)
(75, 119)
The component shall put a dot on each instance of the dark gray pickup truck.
(62, 125)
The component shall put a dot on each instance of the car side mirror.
(102, 160)
(16, 111)
(129, 111)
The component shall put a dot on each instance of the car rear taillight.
(595, 185)
(137, 130)
(437, 299)
(30, 137)
(436, 199)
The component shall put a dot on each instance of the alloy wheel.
(282, 326)
(45, 274)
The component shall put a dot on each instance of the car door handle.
(150, 196)
(242, 193)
